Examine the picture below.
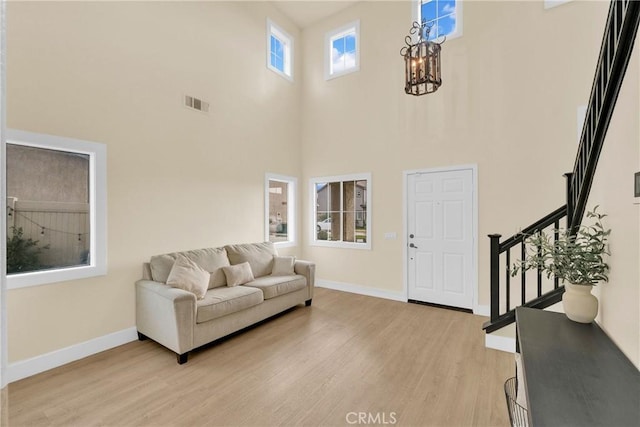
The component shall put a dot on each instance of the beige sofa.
(180, 321)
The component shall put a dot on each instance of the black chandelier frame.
(422, 60)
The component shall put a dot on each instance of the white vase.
(579, 304)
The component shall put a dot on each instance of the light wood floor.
(413, 364)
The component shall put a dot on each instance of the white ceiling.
(306, 12)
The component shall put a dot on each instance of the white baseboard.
(482, 310)
(361, 290)
(498, 342)
(35, 365)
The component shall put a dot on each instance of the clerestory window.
(279, 51)
(342, 50)
(443, 16)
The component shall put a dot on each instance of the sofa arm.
(308, 270)
(166, 315)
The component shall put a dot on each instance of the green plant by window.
(576, 258)
(23, 254)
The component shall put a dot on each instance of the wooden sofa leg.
(307, 303)
(142, 337)
(182, 358)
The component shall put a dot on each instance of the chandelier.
(422, 61)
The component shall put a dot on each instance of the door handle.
(411, 245)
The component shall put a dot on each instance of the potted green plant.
(578, 259)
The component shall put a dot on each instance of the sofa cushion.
(187, 275)
(219, 302)
(238, 274)
(258, 255)
(283, 266)
(273, 286)
(209, 259)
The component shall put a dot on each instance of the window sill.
(285, 244)
(341, 73)
(343, 245)
(280, 73)
(45, 277)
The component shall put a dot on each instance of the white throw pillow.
(283, 266)
(187, 275)
(238, 274)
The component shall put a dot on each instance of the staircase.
(617, 45)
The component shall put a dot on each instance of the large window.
(342, 50)
(279, 51)
(444, 16)
(280, 214)
(341, 216)
(56, 209)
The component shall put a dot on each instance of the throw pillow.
(283, 266)
(161, 267)
(187, 275)
(238, 274)
(211, 260)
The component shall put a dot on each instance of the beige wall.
(115, 73)
(612, 190)
(511, 86)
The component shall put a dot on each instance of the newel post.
(495, 275)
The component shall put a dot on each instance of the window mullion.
(341, 210)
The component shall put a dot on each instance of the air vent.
(196, 104)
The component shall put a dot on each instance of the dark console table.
(574, 374)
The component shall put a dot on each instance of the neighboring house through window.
(56, 209)
(444, 17)
(279, 50)
(341, 217)
(280, 213)
(342, 50)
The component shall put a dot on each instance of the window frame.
(417, 12)
(97, 208)
(328, 49)
(292, 201)
(314, 210)
(287, 40)
(550, 4)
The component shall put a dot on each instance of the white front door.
(441, 237)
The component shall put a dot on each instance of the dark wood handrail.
(615, 52)
(539, 225)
